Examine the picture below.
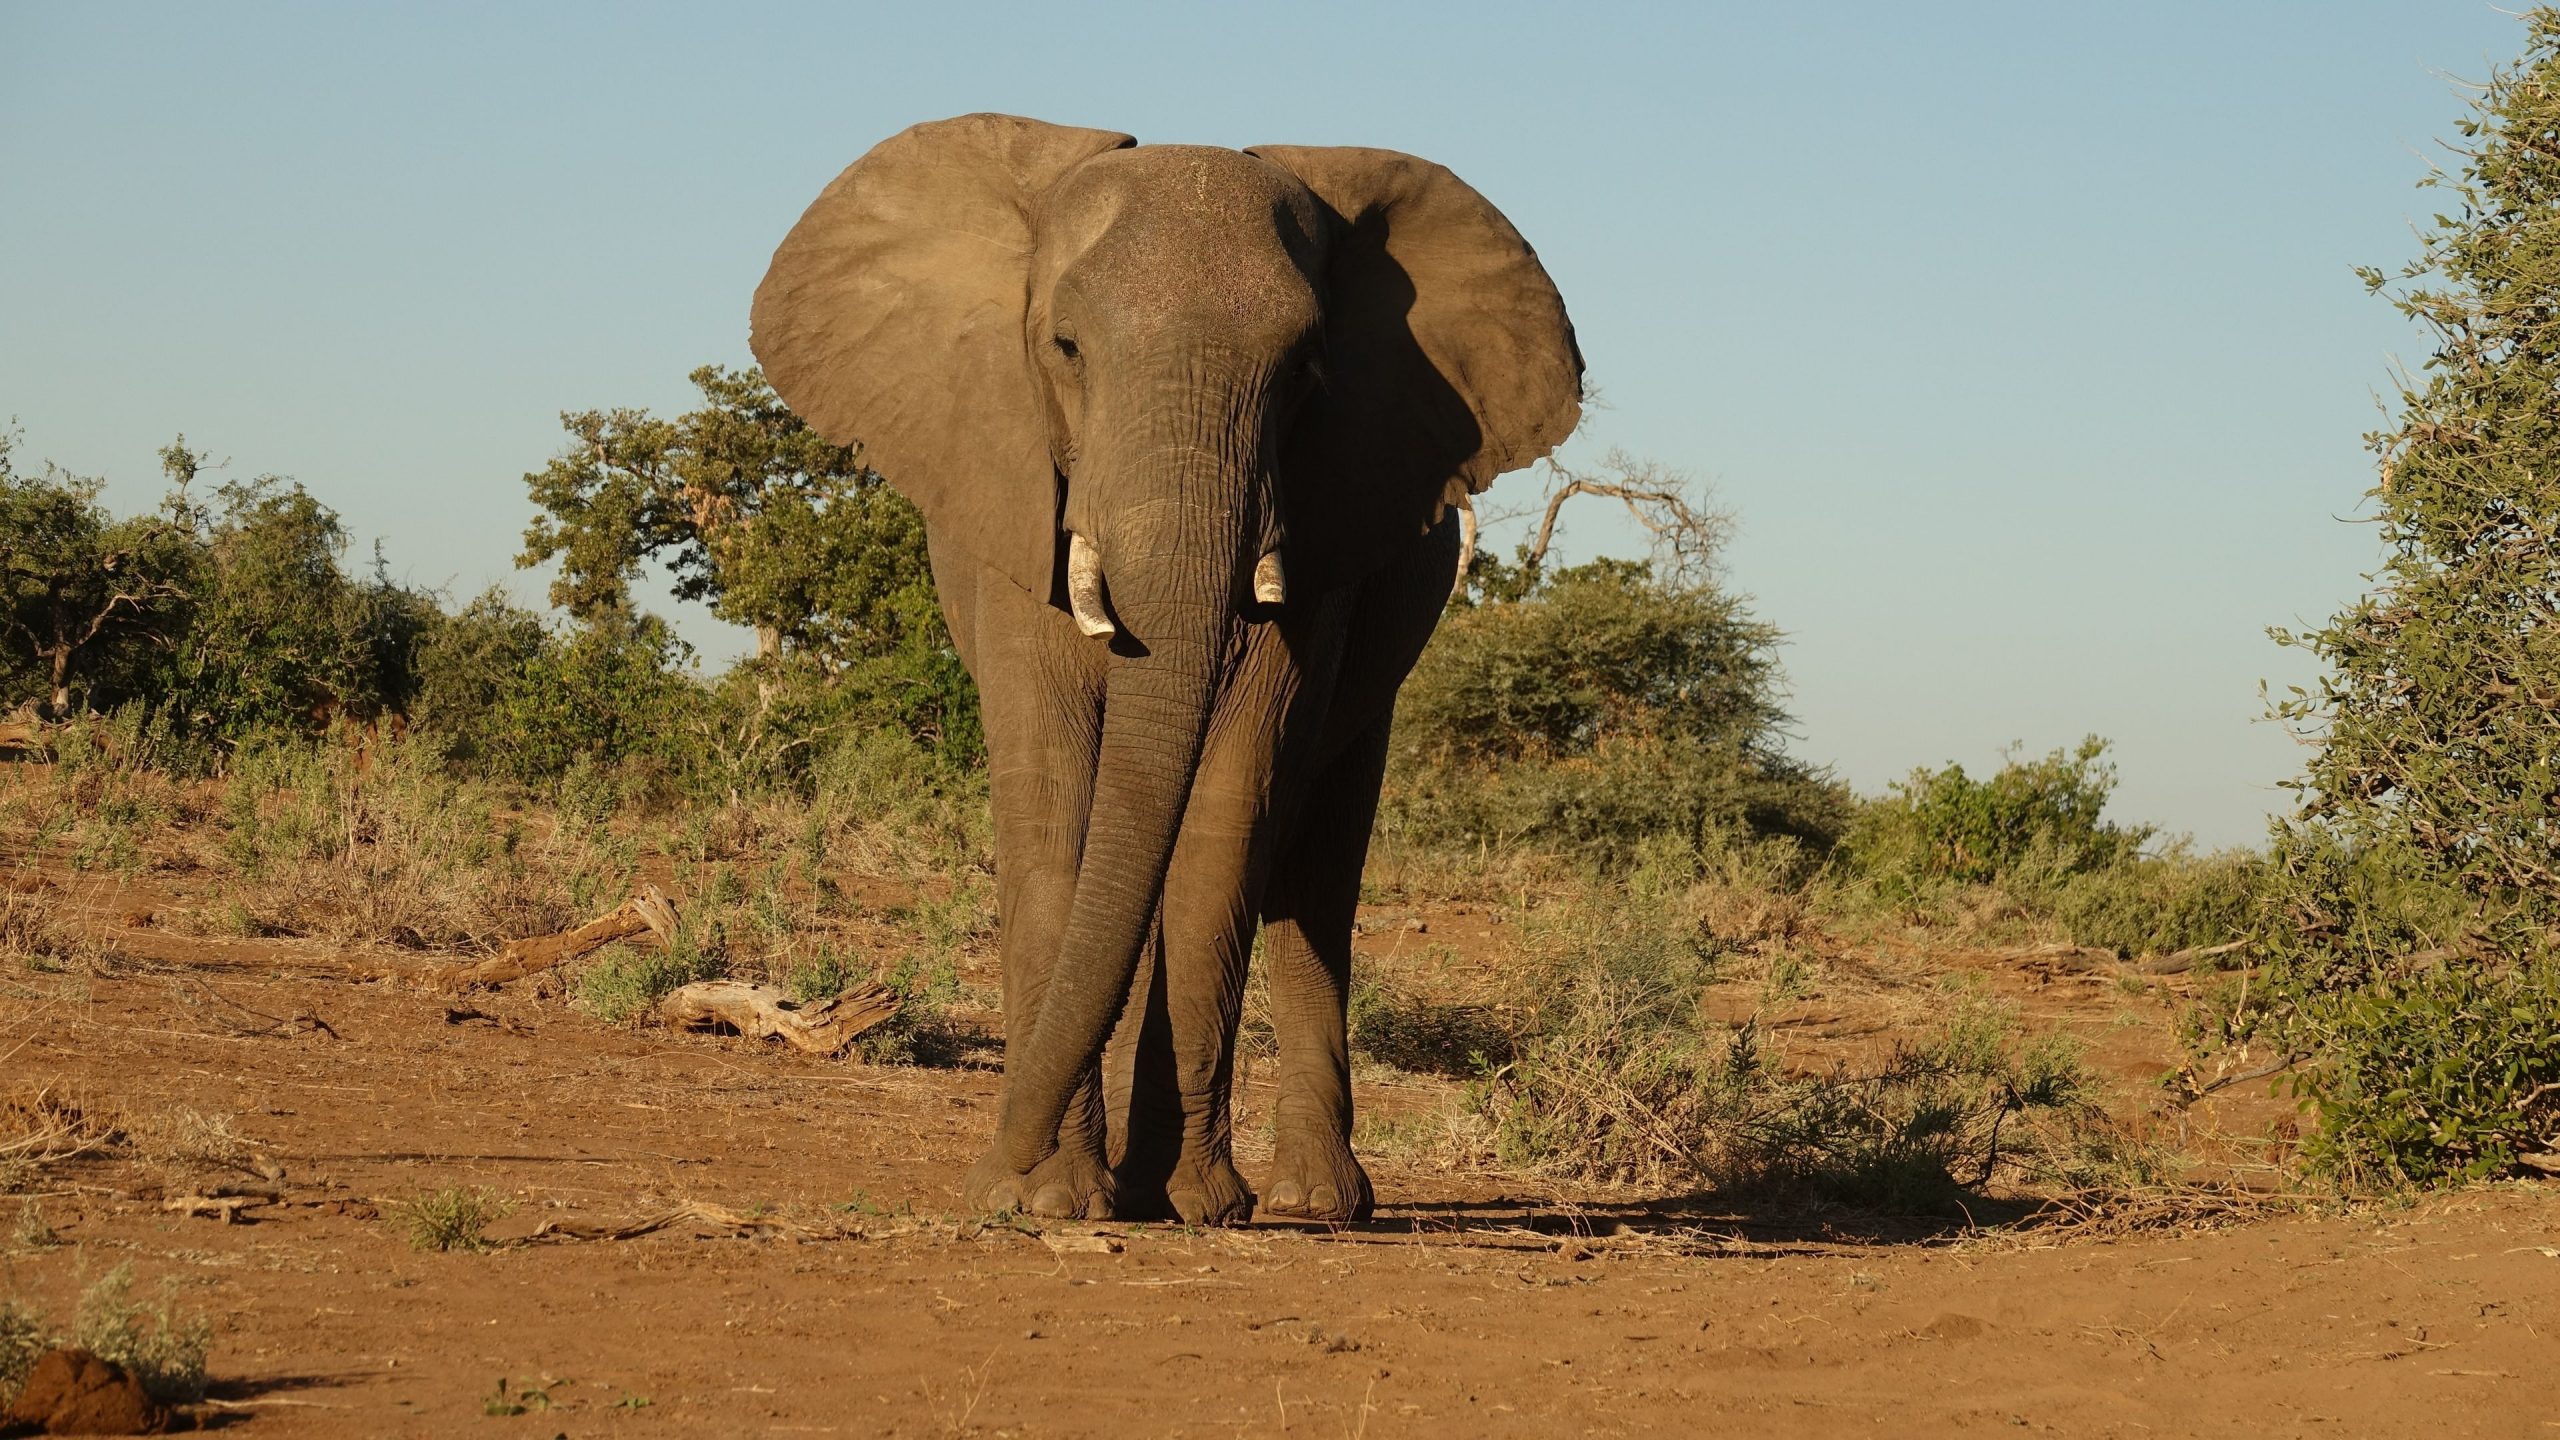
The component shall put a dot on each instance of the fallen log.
(761, 1011)
(649, 911)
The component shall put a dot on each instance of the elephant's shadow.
(1702, 1224)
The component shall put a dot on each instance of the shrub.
(2160, 903)
(1616, 1075)
(1408, 1032)
(154, 1343)
(1944, 825)
(1593, 708)
(22, 1341)
(922, 1031)
(453, 1218)
(623, 982)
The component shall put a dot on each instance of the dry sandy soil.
(824, 1284)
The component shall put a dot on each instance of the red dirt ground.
(864, 1305)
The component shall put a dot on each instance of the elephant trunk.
(1173, 572)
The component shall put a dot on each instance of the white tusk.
(1084, 588)
(1270, 586)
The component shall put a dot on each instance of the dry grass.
(42, 1126)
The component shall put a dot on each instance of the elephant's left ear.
(1448, 356)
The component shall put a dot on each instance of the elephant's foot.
(1208, 1192)
(1194, 1191)
(1072, 1184)
(1315, 1177)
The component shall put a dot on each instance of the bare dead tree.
(1687, 535)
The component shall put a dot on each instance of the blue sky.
(2021, 339)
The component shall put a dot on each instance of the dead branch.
(649, 911)
(2059, 957)
(761, 1011)
(692, 1212)
(1684, 535)
(2181, 961)
(224, 1206)
(241, 1020)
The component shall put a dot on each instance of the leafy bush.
(2160, 903)
(1944, 825)
(1591, 709)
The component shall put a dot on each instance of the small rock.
(73, 1392)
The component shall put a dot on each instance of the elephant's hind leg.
(1307, 914)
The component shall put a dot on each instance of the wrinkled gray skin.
(1184, 423)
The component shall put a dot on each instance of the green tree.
(83, 595)
(749, 509)
(2418, 887)
(281, 637)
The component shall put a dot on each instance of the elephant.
(1187, 426)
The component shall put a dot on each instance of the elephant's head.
(1178, 356)
(1160, 386)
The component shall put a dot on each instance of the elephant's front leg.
(1184, 1164)
(1042, 690)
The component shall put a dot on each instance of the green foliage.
(821, 977)
(235, 618)
(1946, 825)
(2032, 837)
(452, 1218)
(751, 510)
(521, 702)
(624, 982)
(229, 620)
(1584, 711)
(2159, 903)
(922, 1032)
(282, 638)
(2416, 891)
(89, 604)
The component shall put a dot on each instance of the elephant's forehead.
(1181, 227)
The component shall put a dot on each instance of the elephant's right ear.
(892, 317)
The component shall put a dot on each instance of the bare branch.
(1686, 535)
